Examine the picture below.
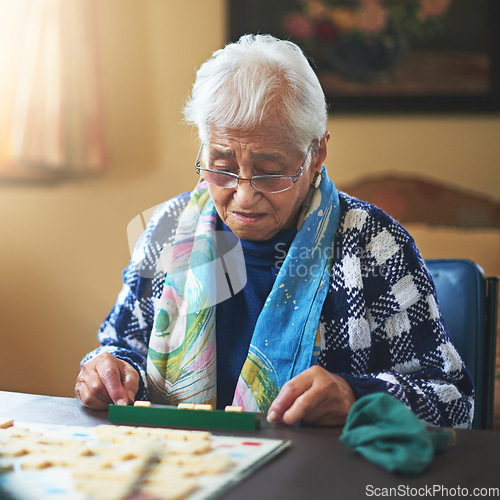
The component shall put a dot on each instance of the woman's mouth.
(248, 218)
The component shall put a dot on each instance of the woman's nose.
(245, 194)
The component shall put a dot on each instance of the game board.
(110, 462)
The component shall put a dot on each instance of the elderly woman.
(317, 300)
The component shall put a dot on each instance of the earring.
(316, 180)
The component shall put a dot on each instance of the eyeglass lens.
(265, 184)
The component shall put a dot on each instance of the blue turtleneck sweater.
(237, 316)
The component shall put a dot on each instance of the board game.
(42, 462)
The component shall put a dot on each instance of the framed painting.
(389, 55)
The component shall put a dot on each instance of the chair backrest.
(468, 303)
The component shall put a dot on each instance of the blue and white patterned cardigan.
(380, 326)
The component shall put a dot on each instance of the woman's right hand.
(105, 379)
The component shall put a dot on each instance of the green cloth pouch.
(387, 433)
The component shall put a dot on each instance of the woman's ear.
(319, 154)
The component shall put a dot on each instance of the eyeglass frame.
(294, 178)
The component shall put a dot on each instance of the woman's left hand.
(314, 396)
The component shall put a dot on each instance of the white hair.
(259, 77)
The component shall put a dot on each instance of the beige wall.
(63, 247)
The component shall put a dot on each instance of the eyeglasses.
(263, 183)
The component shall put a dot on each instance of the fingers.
(288, 395)
(106, 379)
(90, 400)
(129, 379)
(314, 396)
(334, 399)
(110, 375)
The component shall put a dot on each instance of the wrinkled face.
(264, 150)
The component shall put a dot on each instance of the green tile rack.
(171, 416)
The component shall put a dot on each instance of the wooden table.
(316, 466)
